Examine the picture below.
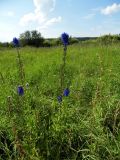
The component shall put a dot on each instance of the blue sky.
(52, 17)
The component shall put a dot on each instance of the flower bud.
(20, 90)
(66, 92)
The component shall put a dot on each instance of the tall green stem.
(63, 68)
(20, 67)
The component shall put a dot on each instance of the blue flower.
(59, 99)
(20, 90)
(65, 38)
(66, 92)
(15, 41)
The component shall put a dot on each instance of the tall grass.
(86, 125)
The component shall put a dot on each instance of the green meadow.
(84, 126)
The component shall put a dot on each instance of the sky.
(78, 18)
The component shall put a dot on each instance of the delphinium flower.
(65, 41)
(16, 42)
(65, 38)
(66, 92)
(59, 99)
(20, 91)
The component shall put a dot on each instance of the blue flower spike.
(66, 92)
(59, 99)
(20, 91)
(65, 38)
(15, 42)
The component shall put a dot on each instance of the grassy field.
(84, 126)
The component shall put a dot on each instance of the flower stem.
(63, 68)
(20, 67)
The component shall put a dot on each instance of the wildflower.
(20, 90)
(65, 38)
(66, 92)
(27, 85)
(59, 99)
(9, 97)
(15, 41)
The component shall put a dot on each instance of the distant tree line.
(31, 38)
(34, 38)
(108, 39)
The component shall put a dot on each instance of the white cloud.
(89, 16)
(53, 20)
(111, 9)
(32, 17)
(42, 10)
(44, 5)
(27, 18)
(50, 22)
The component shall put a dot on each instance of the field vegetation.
(84, 126)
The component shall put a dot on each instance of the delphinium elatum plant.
(63, 92)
